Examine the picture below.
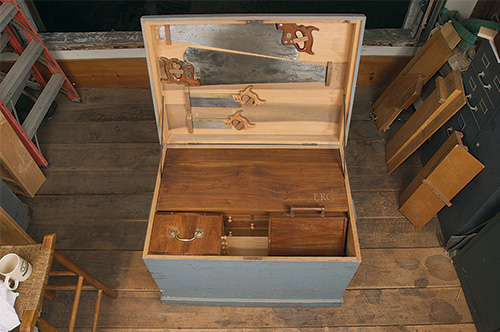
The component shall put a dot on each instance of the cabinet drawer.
(478, 100)
(186, 234)
(487, 71)
(307, 235)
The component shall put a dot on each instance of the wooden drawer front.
(307, 236)
(164, 242)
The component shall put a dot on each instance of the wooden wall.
(132, 72)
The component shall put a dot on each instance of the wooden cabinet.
(242, 183)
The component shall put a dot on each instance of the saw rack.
(23, 38)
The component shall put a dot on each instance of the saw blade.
(210, 124)
(218, 67)
(214, 101)
(263, 39)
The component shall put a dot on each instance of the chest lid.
(253, 80)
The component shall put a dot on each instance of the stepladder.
(36, 66)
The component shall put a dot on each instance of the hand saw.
(236, 121)
(243, 97)
(208, 67)
(265, 39)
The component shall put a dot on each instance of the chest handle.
(294, 209)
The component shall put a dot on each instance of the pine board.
(396, 233)
(91, 207)
(99, 132)
(125, 182)
(81, 113)
(466, 327)
(370, 153)
(109, 96)
(97, 235)
(102, 156)
(376, 178)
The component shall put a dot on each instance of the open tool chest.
(252, 204)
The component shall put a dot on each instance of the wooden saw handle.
(178, 72)
(291, 36)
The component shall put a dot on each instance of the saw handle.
(178, 72)
(290, 36)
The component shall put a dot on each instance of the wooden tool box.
(260, 213)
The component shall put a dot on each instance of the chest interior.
(271, 190)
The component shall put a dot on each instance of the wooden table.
(32, 290)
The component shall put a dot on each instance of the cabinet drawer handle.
(479, 76)
(472, 108)
(174, 233)
(294, 209)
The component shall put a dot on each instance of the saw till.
(209, 67)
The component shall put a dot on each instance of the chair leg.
(45, 326)
(97, 308)
(76, 302)
(70, 265)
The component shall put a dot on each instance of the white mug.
(14, 268)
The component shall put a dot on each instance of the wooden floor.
(103, 156)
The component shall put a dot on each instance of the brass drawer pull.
(294, 209)
(480, 75)
(472, 108)
(174, 233)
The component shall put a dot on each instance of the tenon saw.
(265, 39)
(243, 97)
(209, 67)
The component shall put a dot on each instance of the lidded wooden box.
(252, 204)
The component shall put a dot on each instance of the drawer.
(477, 100)
(485, 59)
(246, 225)
(487, 73)
(307, 235)
(186, 234)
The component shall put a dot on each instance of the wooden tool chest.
(252, 205)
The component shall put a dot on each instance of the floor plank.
(361, 308)
(381, 204)
(99, 235)
(101, 114)
(91, 207)
(109, 96)
(396, 233)
(102, 156)
(371, 153)
(415, 328)
(376, 178)
(125, 182)
(105, 132)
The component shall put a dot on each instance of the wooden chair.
(33, 290)
(73, 270)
